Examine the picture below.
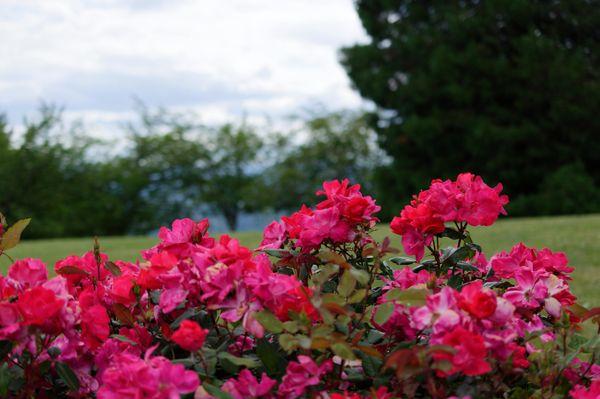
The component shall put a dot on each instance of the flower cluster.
(465, 201)
(320, 309)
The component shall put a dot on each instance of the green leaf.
(347, 284)
(383, 312)
(123, 338)
(216, 392)
(455, 281)
(239, 361)
(12, 235)
(5, 348)
(188, 314)
(288, 342)
(371, 365)
(466, 266)
(453, 255)
(54, 352)
(67, 375)
(343, 350)
(358, 296)
(112, 268)
(360, 275)
(271, 357)
(410, 297)
(402, 260)
(324, 273)
(269, 321)
(277, 253)
(452, 234)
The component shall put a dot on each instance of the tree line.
(173, 166)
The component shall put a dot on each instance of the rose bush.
(320, 309)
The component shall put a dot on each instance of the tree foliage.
(506, 88)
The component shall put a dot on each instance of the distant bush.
(569, 190)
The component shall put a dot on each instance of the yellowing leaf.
(12, 236)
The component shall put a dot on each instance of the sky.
(218, 58)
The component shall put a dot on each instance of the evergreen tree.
(508, 89)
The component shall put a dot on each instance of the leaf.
(277, 253)
(455, 281)
(466, 266)
(360, 275)
(288, 342)
(358, 296)
(370, 364)
(269, 321)
(451, 256)
(410, 297)
(383, 313)
(239, 361)
(592, 313)
(5, 348)
(112, 268)
(123, 314)
(67, 375)
(71, 270)
(2, 219)
(271, 357)
(12, 235)
(451, 233)
(402, 260)
(347, 284)
(123, 338)
(216, 392)
(343, 350)
(188, 314)
(324, 273)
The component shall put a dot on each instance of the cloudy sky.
(220, 58)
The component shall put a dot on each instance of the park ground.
(577, 236)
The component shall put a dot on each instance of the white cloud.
(218, 57)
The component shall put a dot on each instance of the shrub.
(319, 310)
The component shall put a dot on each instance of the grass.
(578, 236)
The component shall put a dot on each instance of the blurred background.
(121, 115)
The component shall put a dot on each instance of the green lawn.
(578, 236)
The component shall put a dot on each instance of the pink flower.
(477, 300)
(94, 326)
(581, 392)
(302, 374)
(28, 272)
(9, 320)
(39, 306)
(247, 386)
(479, 204)
(321, 225)
(530, 291)
(413, 241)
(470, 353)
(405, 278)
(171, 298)
(441, 311)
(190, 336)
(274, 236)
(128, 376)
(184, 231)
(122, 290)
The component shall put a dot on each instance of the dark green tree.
(508, 89)
(327, 145)
(233, 175)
